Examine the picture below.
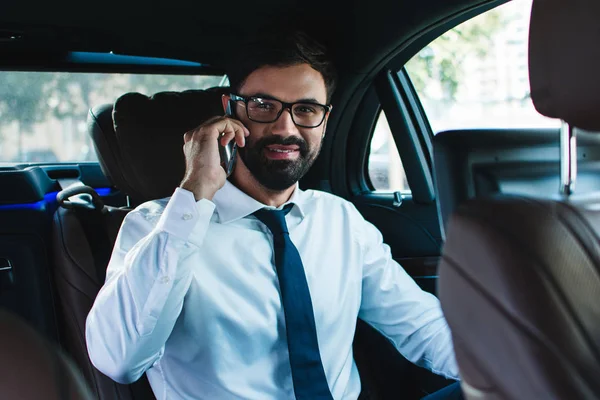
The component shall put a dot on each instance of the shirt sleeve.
(146, 282)
(398, 308)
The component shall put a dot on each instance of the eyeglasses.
(267, 110)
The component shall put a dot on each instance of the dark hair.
(281, 49)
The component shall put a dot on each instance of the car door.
(466, 92)
(390, 176)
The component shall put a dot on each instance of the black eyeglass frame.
(286, 106)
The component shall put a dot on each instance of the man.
(248, 287)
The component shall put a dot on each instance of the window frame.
(367, 173)
(359, 147)
(406, 129)
(393, 93)
(401, 91)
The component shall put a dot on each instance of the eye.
(266, 106)
(263, 105)
(305, 109)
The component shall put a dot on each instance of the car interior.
(59, 219)
(519, 272)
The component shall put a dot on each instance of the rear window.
(43, 114)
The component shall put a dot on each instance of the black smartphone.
(228, 152)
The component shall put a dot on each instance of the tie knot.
(274, 219)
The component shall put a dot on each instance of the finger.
(225, 138)
(212, 129)
(212, 120)
(239, 123)
(240, 136)
(233, 131)
(241, 132)
(228, 136)
(188, 136)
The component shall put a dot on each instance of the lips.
(282, 152)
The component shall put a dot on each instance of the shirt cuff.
(186, 218)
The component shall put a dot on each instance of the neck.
(243, 179)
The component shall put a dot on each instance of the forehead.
(288, 84)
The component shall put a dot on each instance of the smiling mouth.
(280, 152)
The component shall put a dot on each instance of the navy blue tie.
(310, 382)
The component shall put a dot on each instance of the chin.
(277, 183)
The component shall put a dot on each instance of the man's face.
(279, 153)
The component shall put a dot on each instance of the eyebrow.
(267, 96)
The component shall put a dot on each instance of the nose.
(284, 125)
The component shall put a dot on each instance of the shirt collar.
(233, 204)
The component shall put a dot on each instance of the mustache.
(287, 141)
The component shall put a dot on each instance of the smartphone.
(228, 152)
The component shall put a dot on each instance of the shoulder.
(318, 198)
(331, 205)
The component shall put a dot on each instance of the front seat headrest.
(139, 140)
(34, 368)
(564, 60)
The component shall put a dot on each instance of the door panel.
(471, 163)
(410, 229)
(423, 270)
(412, 232)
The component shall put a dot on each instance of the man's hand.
(204, 175)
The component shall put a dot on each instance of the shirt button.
(187, 216)
(164, 279)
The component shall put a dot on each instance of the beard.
(277, 175)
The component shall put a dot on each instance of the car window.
(43, 114)
(385, 167)
(476, 75)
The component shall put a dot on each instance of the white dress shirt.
(192, 298)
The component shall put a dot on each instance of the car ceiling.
(362, 34)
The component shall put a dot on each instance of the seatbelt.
(93, 222)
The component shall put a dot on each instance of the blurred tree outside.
(475, 76)
(441, 60)
(30, 100)
(436, 72)
(22, 102)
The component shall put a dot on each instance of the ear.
(225, 102)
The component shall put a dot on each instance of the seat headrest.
(33, 367)
(564, 60)
(142, 150)
(100, 129)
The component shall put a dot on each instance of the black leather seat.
(520, 276)
(143, 157)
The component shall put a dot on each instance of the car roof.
(361, 34)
